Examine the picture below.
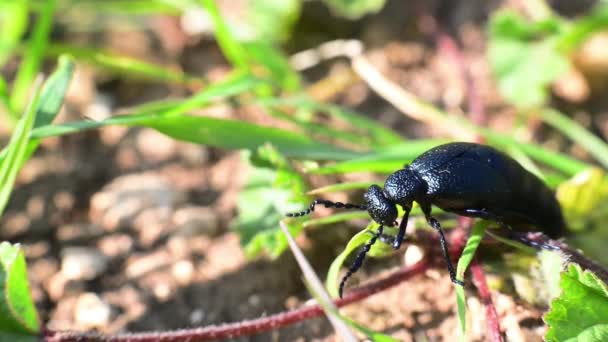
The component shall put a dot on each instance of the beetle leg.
(426, 209)
(359, 259)
(401, 234)
(327, 204)
(444, 246)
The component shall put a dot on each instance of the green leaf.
(584, 199)
(17, 311)
(580, 313)
(273, 189)
(468, 253)
(524, 61)
(16, 151)
(354, 9)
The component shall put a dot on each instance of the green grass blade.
(233, 134)
(33, 56)
(232, 49)
(341, 187)
(380, 135)
(124, 65)
(578, 134)
(317, 290)
(18, 316)
(385, 160)
(51, 100)
(463, 263)
(567, 165)
(13, 24)
(16, 151)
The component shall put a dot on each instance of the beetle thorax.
(403, 187)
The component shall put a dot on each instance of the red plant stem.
(479, 280)
(250, 327)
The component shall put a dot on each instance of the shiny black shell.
(479, 181)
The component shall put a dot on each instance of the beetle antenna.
(359, 259)
(327, 204)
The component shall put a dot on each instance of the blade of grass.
(387, 159)
(235, 84)
(340, 187)
(33, 57)
(313, 129)
(242, 135)
(17, 149)
(232, 49)
(578, 134)
(567, 165)
(381, 135)
(51, 100)
(123, 65)
(13, 24)
(317, 289)
(467, 256)
(131, 7)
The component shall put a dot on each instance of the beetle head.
(403, 187)
(380, 208)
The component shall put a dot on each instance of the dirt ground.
(126, 230)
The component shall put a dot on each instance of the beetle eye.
(381, 209)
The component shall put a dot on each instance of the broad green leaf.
(354, 9)
(580, 313)
(468, 253)
(16, 151)
(596, 20)
(583, 198)
(17, 311)
(524, 61)
(273, 189)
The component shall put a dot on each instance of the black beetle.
(464, 178)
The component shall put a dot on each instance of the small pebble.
(91, 311)
(82, 263)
